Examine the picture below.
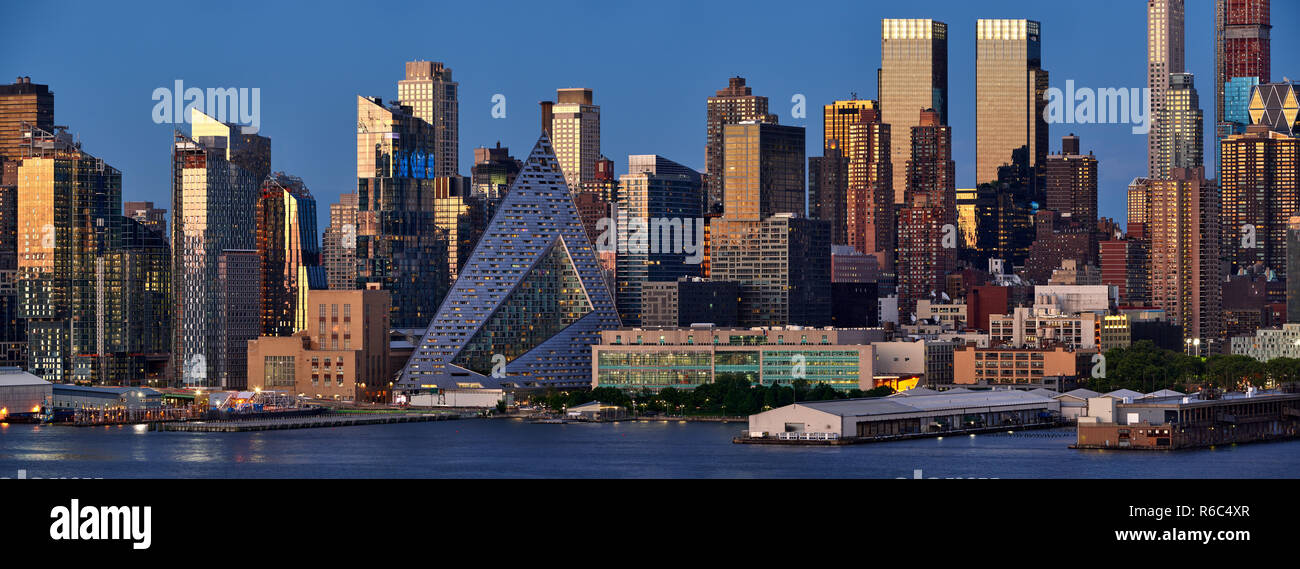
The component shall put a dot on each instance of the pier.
(301, 422)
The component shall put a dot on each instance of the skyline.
(308, 104)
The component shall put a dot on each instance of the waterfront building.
(341, 354)
(1175, 421)
(685, 358)
(1010, 95)
(218, 171)
(434, 98)
(530, 301)
(21, 394)
(912, 412)
(239, 315)
(288, 254)
(913, 75)
(735, 104)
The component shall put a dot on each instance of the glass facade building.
(660, 202)
(913, 75)
(529, 302)
(1010, 95)
(288, 252)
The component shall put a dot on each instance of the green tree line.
(1145, 368)
(733, 396)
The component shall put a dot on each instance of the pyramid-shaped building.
(532, 296)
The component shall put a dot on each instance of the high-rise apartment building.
(1184, 232)
(399, 243)
(1261, 192)
(91, 284)
(288, 254)
(23, 102)
(1072, 182)
(1010, 95)
(765, 170)
(782, 264)
(1180, 139)
(434, 98)
(339, 244)
(659, 218)
(575, 134)
(239, 317)
(869, 191)
(1242, 55)
(218, 172)
(923, 258)
(1165, 56)
(913, 76)
(735, 104)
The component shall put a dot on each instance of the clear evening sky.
(651, 65)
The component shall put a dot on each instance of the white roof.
(1165, 393)
(924, 403)
(915, 391)
(11, 377)
(1122, 393)
(1044, 392)
(1080, 393)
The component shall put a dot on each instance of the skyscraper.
(782, 264)
(575, 132)
(913, 76)
(869, 207)
(23, 102)
(658, 196)
(1164, 57)
(217, 173)
(1010, 95)
(923, 259)
(1178, 130)
(1184, 230)
(1072, 182)
(434, 98)
(732, 105)
(399, 243)
(1261, 192)
(1276, 105)
(765, 170)
(1241, 53)
(530, 302)
(288, 254)
(339, 244)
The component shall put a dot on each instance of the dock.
(302, 422)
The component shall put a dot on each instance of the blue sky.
(651, 66)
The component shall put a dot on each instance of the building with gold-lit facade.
(913, 76)
(1010, 95)
(434, 98)
(734, 104)
(217, 171)
(575, 133)
(288, 254)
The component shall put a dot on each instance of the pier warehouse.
(21, 393)
(913, 412)
(1169, 423)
